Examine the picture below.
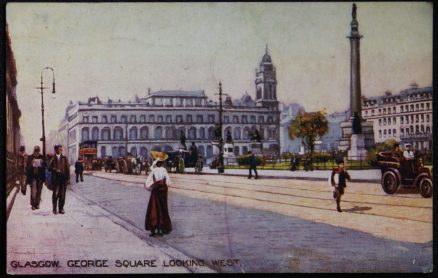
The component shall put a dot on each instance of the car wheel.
(389, 182)
(426, 188)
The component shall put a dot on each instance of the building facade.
(405, 117)
(13, 114)
(156, 121)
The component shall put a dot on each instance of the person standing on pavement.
(21, 169)
(338, 179)
(252, 161)
(60, 169)
(35, 176)
(79, 171)
(157, 215)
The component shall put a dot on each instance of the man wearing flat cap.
(35, 176)
(60, 178)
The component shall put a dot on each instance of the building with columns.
(155, 122)
(405, 117)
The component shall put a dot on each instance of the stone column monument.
(357, 134)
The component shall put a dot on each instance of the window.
(384, 132)
(192, 133)
(198, 102)
(389, 121)
(417, 107)
(427, 118)
(261, 119)
(189, 102)
(427, 106)
(366, 112)
(132, 119)
(158, 132)
(95, 134)
(160, 119)
(422, 118)
(384, 110)
(158, 101)
(389, 132)
(401, 120)
(85, 134)
(123, 118)
(372, 112)
(179, 119)
(178, 102)
(104, 119)
(252, 119)
(94, 119)
(270, 120)
(226, 119)
(235, 119)
(168, 102)
(380, 111)
(394, 109)
(401, 108)
(144, 133)
(189, 118)
(422, 106)
(384, 121)
(142, 118)
(113, 119)
(102, 152)
(105, 134)
(244, 119)
(199, 119)
(85, 119)
(380, 122)
(407, 119)
(133, 133)
(168, 118)
(394, 120)
(211, 118)
(416, 118)
(151, 118)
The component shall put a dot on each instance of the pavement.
(83, 240)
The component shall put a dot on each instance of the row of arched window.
(171, 133)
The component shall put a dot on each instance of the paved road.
(289, 226)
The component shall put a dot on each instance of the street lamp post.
(220, 167)
(41, 88)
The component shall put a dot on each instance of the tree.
(309, 126)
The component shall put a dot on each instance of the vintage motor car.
(400, 172)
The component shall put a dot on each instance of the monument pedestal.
(256, 148)
(367, 132)
(357, 149)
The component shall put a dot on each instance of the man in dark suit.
(252, 161)
(35, 176)
(60, 178)
(79, 171)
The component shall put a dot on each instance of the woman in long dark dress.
(157, 215)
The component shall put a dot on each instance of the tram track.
(195, 184)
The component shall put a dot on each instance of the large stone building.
(405, 117)
(155, 122)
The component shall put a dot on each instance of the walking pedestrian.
(79, 171)
(60, 178)
(35, 176)
(252, 161)
(338, 179)
(157, 215)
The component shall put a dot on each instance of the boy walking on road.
(339, 181)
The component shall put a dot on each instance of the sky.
(119, 50)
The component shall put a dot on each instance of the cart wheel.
(426, 188)
(389, 182)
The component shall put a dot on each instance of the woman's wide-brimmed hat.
(159, 156)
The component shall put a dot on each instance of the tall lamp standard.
(43, 138)
(220, 168)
